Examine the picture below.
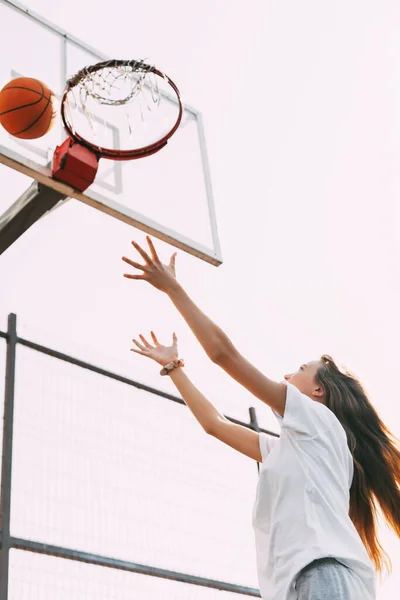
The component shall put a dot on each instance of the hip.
(330, 579)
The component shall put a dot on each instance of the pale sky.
(301, 104)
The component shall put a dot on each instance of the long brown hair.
(376, 455)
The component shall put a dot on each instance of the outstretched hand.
(154, 271)
(157, 352)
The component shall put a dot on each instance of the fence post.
(5, 497)
(254, 425)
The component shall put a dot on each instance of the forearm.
(202, 409)
(214, 341)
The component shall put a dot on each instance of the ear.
(318, 392)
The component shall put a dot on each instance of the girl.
(320, 483)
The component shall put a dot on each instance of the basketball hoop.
(130, 84)
(124, 96)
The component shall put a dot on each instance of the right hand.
(160, 276)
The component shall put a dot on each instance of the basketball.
(27, 108)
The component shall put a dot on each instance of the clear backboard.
(168, 195)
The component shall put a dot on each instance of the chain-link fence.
(98, 471)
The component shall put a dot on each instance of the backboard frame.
(30, 168)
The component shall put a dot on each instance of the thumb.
(172, 260)
(174, 339)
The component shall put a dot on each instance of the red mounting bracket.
(75, 165)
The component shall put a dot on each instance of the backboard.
(168, 195)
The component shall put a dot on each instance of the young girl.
(320, 483)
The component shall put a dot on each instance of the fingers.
(153, 252)
(142, 253)
(146, 349)
(134, 264)
(145, 342)
(130, 276)
(142, 348)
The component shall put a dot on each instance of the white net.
(120, 84)
(130, 98)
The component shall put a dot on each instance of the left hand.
(159, 353)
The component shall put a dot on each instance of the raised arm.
(215, 342)
(236, 436)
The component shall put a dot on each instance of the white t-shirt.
(302, 502)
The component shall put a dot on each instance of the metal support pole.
(5, 498)
(254, 425)
(35, 202)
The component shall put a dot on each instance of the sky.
(301, 109)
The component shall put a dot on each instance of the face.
(304, 380)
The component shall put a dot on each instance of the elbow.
(215, 356)
(222, 356)
(215, 425)
(210, 427)
(220, 349)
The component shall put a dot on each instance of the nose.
(287, 377)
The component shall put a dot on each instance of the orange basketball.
(27, 108)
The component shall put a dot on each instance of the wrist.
(171, 366)
(166, 361)
(173, 288)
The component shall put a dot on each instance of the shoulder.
(266, 443)
(305, 416)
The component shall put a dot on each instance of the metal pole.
(254, 425)
(5, 498)
(123, 565)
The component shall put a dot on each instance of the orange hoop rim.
(112, 153)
